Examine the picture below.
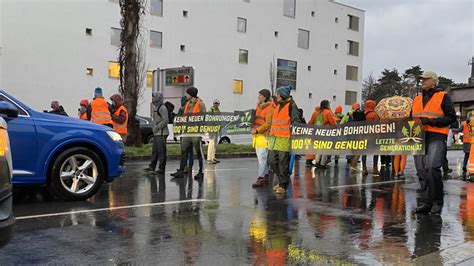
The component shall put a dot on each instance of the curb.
(178, 157)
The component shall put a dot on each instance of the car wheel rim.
(78, 174)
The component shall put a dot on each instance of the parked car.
(72, 157)
(146, 129)
(7, 221)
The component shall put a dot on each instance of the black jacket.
(60, 111)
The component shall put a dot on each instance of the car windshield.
(20, 110)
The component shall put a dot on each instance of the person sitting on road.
(119, 115)
(82, 111)
(57, 109)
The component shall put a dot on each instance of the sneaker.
(178, 174)
(188, 170)
(309, 163)
(364, 171)
(261, 182)
(354, 169)
(375, 172)
(149, 169)
(210, 162)
(216, 161)
(199, 175)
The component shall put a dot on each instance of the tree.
(132, 68)
(272, 76)
(410, 81)
(369, 88)
(390, 84)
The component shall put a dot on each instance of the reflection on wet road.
(327, 217)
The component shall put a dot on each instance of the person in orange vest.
(466, 139)
(99, 110)
(470, 168)
(119, 116)
(285, 113)
(82, 112)
(260, 127)
(194, 105)
(435, 110)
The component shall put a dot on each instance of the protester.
(324, 116)
(261, 124)
(470, 166)
(310, 157)
(285, 113)
(82, 111)
(119, 115)
(370, 115)
(211, 148)
(355, 114)
(160, 133)
(57, 109)
(338, 113)
(171, 113)
(194, 105)
(99, 110)
(466, 139)
(189, 167)
(435, 110)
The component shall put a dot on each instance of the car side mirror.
(8, 109)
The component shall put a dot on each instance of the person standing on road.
(82, 111)
(213, 137)
(435, 110)
(370, 115)
(261, 124)
(99, 110)
(160, 133)
(57, 109)
(466, 139)
(324, 116)
(189, 167)
(119, 115)
(285, 113)
(194, 105)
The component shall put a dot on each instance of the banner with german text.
(383, 137)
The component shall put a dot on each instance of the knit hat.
(84, 102)
(265, 93)
(356, 106)
(284, 91)
(98, 92)
(192, 91)
(338, 109)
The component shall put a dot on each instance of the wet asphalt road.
(329, 217)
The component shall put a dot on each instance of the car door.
(23, 142)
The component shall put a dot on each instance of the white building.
(62, 49)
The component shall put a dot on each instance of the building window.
(114, 69)
(241, 25)
(336, 20)
(156, 39)
(303, 39)
(335, 71)
(336, 46)
(238, 86)
(351, 97)
(353, 22)
(353, 48)
(149, 78)
(182, 47)
(352, 73)
(276, 34)
(185, 13)
(289, 8)
(247, 1)
(243, 56)
(309, 68)
(313, 13)
(157, 8)
(89, 71)
(88, 31)
(115, 36)
(310, 95)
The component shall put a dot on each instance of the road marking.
(370, 184)
(109, 209)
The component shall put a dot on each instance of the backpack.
(169, 108)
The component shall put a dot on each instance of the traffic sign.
(181, 76)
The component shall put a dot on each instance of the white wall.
(47, 51)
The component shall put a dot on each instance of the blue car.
(72, 157)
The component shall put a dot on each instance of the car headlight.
(3, 142)
(114, 136)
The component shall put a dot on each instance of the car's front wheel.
(77, 174)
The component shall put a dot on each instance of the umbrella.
(394, 107)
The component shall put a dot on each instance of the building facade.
(63, 49)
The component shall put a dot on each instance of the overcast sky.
(438, 35)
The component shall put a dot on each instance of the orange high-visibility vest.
(466, 133)
(83, 116)
(121, 128)
(470, 164)
(431, 110)
(281, 121)
(261, 116)
(100, 112)
(196, 108)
